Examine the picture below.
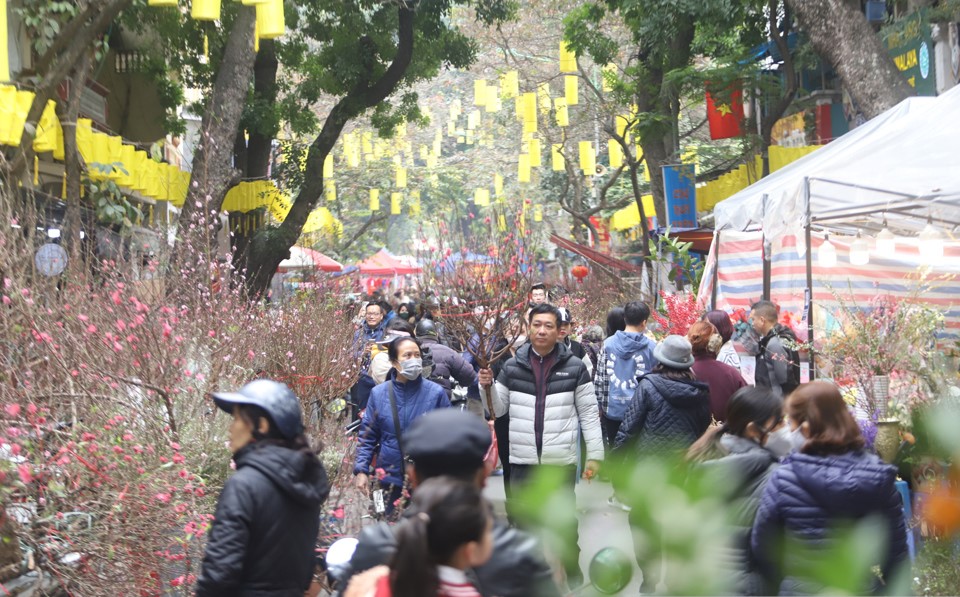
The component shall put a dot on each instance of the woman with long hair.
(742, 453)
(831, 483)
(449, 531)
(265, 527)
(727, 353)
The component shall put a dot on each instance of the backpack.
(620, 392)
(789, 342)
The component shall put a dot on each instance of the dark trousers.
(610, 429)
(566, 522)
(501, 426)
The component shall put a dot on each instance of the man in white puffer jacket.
(550, 397)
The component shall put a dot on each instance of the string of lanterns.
(930, 243)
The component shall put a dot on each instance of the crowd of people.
(796, 463)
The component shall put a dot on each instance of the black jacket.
(743, 473)
(516, 569)
(447, 364)
(265, 528)
(665, 415)
(808, 498)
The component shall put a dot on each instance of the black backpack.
(789, 342)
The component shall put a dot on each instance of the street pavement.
(600, 526)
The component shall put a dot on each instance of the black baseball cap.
(447, 441)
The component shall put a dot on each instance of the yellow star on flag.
(724, 109)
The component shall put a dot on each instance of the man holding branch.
(550, 397)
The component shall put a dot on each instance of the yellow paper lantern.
(328, 166)
(21, 106)
(544, 98)
(523, 168)
(124, 166)
(161, 2)
(480, 92)
(481, 197)
(534, 150)
(563, 115)
(4, 52)
(588, 158)
(401, 178)
(331, 191)
(374, 199)
(557, 158)
(270, 20)
(570, 89)
(205, 10)
(253, 2)
(509, 84)
(568, 59)
(615, 152)
(8, 101)
(46, 137)
(396, 203)
(537, 213)
(115, 149)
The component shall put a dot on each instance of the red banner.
(725, 118)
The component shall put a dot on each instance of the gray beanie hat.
(674, 351)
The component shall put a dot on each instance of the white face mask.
(797, 439)
(411, 368)
(519, 341)
(779, 442)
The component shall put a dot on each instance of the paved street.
(600, 525)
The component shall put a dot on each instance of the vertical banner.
(680, 192)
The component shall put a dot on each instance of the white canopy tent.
(900, 170)
(905, 163)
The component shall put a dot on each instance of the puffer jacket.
(744, 469)
(516, 568)
(810, 496)
(449, 366)
(378, 436)
(551, 416)
(265, 527)
(665, 416)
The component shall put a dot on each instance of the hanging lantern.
(161, 2)
(859, 251)
(886, 242)
(827, 254)
(579, 272)
(931, 243)
(205, 10)
(270, 20)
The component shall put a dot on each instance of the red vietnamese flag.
(725, 119)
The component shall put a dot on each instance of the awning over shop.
(595, 256)
(700, 238)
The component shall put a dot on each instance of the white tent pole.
(809, 297)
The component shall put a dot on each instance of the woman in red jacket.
(723, 379)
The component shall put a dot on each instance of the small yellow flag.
(328, 166)
(534, 150)
(570, 89)
(568, 60)
(588, 158)
(401, 178)
(557, 158)
(481, 197)
(563, 117)
(523, 168)
(502, 222)
(497, 185)
(374, 199)
(538, 213)
(480, 96)
(529, 101)
(544, 98)
(396, 203)
(509, 84)
(331, 191)
(616, 153)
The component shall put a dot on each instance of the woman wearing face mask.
(407, 312)
(408, 395)
(818, 493)
(742, 452)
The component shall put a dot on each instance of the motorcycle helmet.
(426, 327)
(275, 398)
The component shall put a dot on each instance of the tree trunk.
(843, 37)
(264, 93)
(213, 172)
(266, 256)
(71, 158)
(769, 120)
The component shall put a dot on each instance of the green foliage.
(110, 204)
(675, 254)
(43, 20)
(936, 571)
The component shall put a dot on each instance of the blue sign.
(680, 192)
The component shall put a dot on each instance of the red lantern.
(580, 272)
